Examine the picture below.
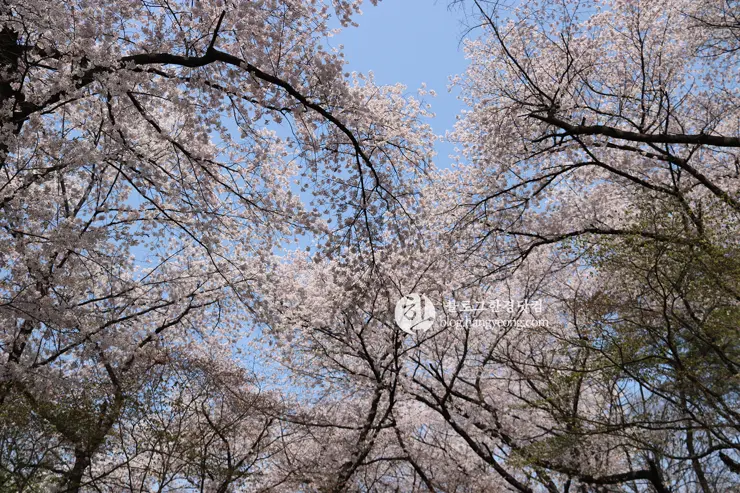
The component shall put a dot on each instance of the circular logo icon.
(415, 313)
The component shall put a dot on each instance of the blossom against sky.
(413, 42)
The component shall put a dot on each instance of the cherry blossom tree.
(164, 328)
(598, 173)
(602, 139)
(152, 157)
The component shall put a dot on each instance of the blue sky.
(411, 42)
